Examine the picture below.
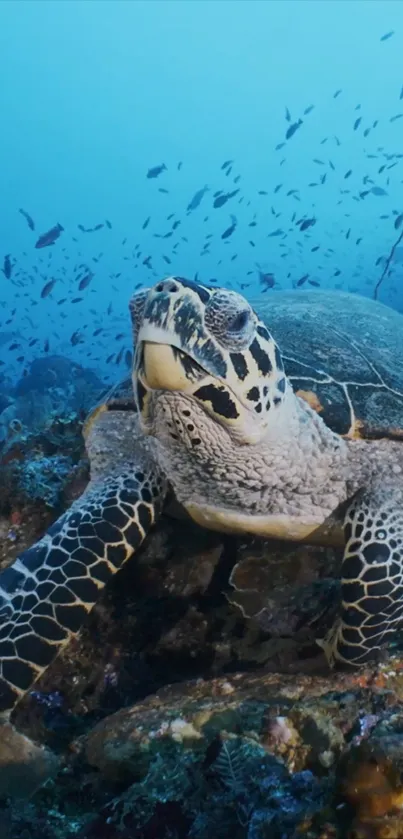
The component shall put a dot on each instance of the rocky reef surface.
(195, 702)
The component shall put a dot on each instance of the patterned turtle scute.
(345, 350)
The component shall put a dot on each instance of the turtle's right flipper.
(46, 593)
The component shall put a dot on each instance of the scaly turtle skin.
(215, 418)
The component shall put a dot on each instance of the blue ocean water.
(305, 99)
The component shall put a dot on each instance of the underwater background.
(254, 145)
(258, 145)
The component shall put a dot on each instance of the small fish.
(302, 280)
(292, 129)
(401, 93)
(229, 231)
(338, 92)
(222, 199)
(47, 288)
(128, 358)
(287, 115)
(50, 237)
(314, 283)
(146, 223)
(7, 267)
(156, 170)
(398, 221)
(348, 173)
(76, 338)
(397, 116)
(378, 190)
(28, 218)
(278, 232)
(357, 123)
(119, 356)
(226, 164)
(85, 281)
(194, 203)
(308, 110)
(267, 280)
(108, 224)
(308, 222)
(387, 36)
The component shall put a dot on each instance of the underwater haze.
(256, 145)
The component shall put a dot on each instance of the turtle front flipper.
(372, 577)
(47, 592)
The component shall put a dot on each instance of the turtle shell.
(343, 354)
(117, 398)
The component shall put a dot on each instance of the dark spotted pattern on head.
(372, 580)
(262, 359)
(253, 394)
(48, 591)
(219, 399)
(240, 365)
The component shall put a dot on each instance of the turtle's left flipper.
(372, 577)
(47, 592)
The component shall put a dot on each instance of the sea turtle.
(312, 454)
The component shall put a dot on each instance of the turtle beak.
(161, 368)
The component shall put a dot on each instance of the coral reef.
(54, 389)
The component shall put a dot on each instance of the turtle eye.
(238, 323)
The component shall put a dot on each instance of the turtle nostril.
(167, 285)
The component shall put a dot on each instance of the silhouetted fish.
(156, 170)
(28, 218)
(223, 198)
(194, 203)
(47, 288)
(267, 280)
(7, 267)
(229, 231)
(306, 223)
(292, 129)
(50, 237)
(85, 281)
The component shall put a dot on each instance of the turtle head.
(208, 345)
